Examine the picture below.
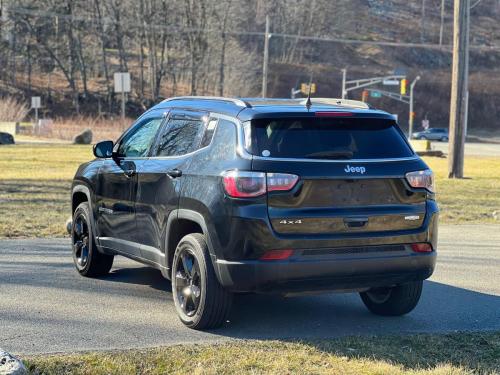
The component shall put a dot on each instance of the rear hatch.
(351, 174)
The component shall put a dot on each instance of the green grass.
(458, 353)
(35, 182)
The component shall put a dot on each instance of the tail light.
(245, 184)
(281, 181)
(421, 247)
(241, 184)
(277, 254)
(421, 179)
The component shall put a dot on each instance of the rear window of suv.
(326, 138)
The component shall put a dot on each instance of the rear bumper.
(334, 272)
(333, 262)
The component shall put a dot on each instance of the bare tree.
(195, 15)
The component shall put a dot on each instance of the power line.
(183, 30)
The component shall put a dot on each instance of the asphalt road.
(472, 148)
(45, 306)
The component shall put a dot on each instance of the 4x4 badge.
(288, 222)
(350, 169)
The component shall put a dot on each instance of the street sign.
(400, 72)
(122, 82)
(36, 102)
(122, 86)
(390, 82)
(375, 94)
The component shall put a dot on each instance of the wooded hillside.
(67, 51)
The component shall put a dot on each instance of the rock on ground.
(10, 365)
(69, 224)
(84, 138)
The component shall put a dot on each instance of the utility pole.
(422, 23)
(344, 77)
(267, 36)
(411, 116)
(459, 87)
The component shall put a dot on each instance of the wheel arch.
(79, 194)
(180, 223)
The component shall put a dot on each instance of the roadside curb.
(10, 365)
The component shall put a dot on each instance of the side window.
(138, 142)
(209, 133)
(181, 136)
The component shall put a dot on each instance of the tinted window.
(138, 142)
(181, 136)
(327, 138)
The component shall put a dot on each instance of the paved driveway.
(45, 306)
(472, 148)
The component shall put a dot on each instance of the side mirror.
(103, 149)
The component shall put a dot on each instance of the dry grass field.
(453, 354)
(35, 182)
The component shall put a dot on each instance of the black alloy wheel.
(200, 300)
(80, 236)
(89, 261)
(188, 282)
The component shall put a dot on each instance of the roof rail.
(238, 102)
(338, 102)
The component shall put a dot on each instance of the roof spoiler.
(337, 102)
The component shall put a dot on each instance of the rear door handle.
(174, 173)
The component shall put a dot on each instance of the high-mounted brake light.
(421, 179)
(333, 114)
(421, 247)
(277, 254)
(246, 184)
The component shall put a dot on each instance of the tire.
(393, 301)
(422, 138)
(444, 139)
(201, 302)
(89, 262)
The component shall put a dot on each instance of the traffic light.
(364, 96)
(403, 86)
(304, 88)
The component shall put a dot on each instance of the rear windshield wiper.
(330, 155)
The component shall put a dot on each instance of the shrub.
(12, 110)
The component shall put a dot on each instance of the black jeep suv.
(259, 195)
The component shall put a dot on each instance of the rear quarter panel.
(202, 189)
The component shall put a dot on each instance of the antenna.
(308, 101)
